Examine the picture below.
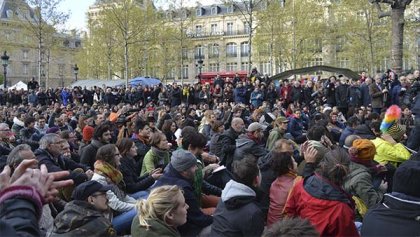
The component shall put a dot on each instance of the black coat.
(228, 141)
(341, 96)
(395, 216)
(88, 153)
(61, 164)
(19, 217)
(130, 171)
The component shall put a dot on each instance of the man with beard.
(101, 136)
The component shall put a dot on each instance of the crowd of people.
(308, 156)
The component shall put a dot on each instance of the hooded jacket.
(389, 153)
(245, 145)
(157, 228)
(329, 209)
(79, 218)
(237, 213)
(397, 215)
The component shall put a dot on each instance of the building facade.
(58, 64)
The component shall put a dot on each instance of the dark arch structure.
(344, 71)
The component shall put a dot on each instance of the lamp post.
(5, 63)
(200, 66)
(75, 71)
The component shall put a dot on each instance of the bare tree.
(397, 17)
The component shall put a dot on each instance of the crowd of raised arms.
(308, 156)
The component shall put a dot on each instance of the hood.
(320, 188)
(243, 140)
(18, 122)
(75, 215)
(236, 195)
(264, 163)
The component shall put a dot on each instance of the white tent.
(18, 86)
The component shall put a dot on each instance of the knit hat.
(182, 160)
(407, 178)
(397, 131)
(87, 133)
(364, 149)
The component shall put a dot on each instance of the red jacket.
(328, 208)
(279, 191)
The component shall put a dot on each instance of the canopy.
(18, 86)
(145, 81)
(97, 82)
(288, 74)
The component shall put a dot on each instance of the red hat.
(87, 133)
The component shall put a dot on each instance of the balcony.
(244, 54)
(204, 34)
(198, 56)
(213, 55)
(232, 54)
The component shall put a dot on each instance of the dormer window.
(199, 11)
(215, 10)
(230, 9)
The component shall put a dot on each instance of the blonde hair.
(159, 204)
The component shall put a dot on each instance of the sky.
(77, 10)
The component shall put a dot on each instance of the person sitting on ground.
(164, 210)
(285, 167)
(291, 227)
(158, 155)
(296, 127)
(85, 215)
(181, 172)
(228, 141)
(101, 136)
(141, 136)
(250, 143)
(237, 213)
(352, 123)
(130, 169)
(280, 128)
(106, 172)
(398, 212)
(320, 199)
(362, 169)
(29, 135)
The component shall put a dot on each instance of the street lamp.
(75, 71)
(200, 66)
(5, 62)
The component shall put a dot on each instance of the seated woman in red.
(320, 198)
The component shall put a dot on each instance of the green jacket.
(275, 135)
(157, 228)
(359, 183)
(151, 161)
(79, 218)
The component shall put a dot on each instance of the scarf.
(104, 168)
(162, 154)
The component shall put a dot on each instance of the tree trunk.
(126, 63)
(397, 15)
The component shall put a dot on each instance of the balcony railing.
(204, 34)
(213, 55)
(244, 54)
(232, 55)
(198, 56)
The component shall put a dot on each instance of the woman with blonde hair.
(160, 215)
(206, 123)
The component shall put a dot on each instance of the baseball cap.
(255, 126)
(86, 189)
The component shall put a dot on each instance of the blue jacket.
(196, 219)
(256, 99)
(296, 127)
(240, 95)
(65, 96)
(346, 132)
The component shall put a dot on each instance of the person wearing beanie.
(359, 181)
(85, 214)
(87, 134)
(180, 171)
(399, 212)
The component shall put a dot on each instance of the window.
(244, 66)
(213, 28)
(266, 68)
(229, 28)
(77, 44)
(214, 51)
(230, 9)
(231, 67)
(185, 71)
(198, 29)
(247, 29)
(340, 44)
(214, 10)
(244, 49)
(231, 50)
(314, 62)
(184, 53)
(343, 62)
(214, 67)
(199, 11)
(25, 69)
(199, 51)
(25, 54)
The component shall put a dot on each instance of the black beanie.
(407, 178)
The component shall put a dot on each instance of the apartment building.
(57, 68)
